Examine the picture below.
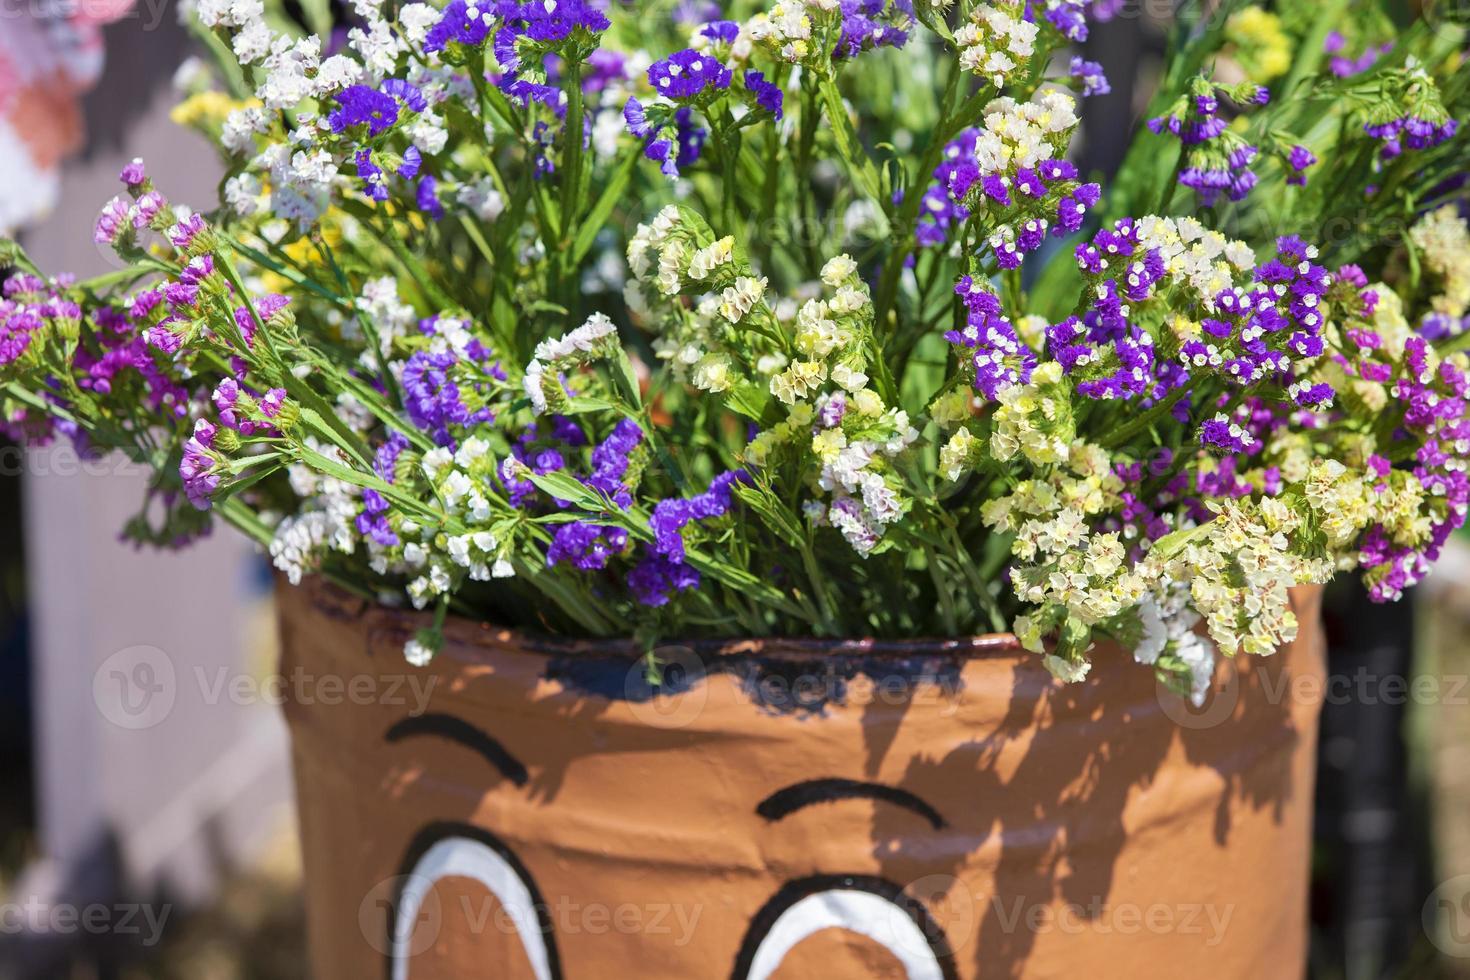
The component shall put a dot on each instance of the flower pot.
(526, 807)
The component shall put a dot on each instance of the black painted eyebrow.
(461, 731)
(785, 802)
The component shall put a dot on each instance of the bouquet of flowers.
(665, 321)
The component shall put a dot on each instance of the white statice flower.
(594, 339)
(391, 317)
(418, 653)
(229, 13)
(378, 47)
(996, 42)
(838, 270)
(785, 29)
(288, 70)
(1066, 671)
(416, 19)
(705, 261)
(240, 128)
(482, 198)
(253, 42)
(428, 133)
(243, 194)
(958, 454)
(1443, 238)
(1168, 624)
(337, 73)
(738, 299)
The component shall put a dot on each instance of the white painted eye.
(461, 857)
(856, 911)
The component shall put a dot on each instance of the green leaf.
(773, 514)
(749, 399)
(611, 194)
(626, 379)
(564, 486)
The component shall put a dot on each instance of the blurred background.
(154, 836)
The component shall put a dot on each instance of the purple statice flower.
(768, 95)
(112, 222)
(610, 462)
(1090, 74)
(1441, 326)
(1111, 357)
(1221, 433)
(721, 31)
(134, 174)
(404, 92)
(864, 27)
(363, 105)
(1344, 66)
(655, 578)
(989, 340)
(265, 307)
(671, 516)
(671, 143)
(432, 397)
(1299, 158)
(199, 467)
(687, 75)
(372, 176)
(385, 459)
(605, 68)
(18, 326)
(1067, 17)
(413, 161)
(585, 545)
(1411, 133)
(460, 23)
(186, 230)
(373, 520)
(428, 198)
(536, 28)
(943, 206)
(147, 207)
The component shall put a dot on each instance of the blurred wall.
(156, 741)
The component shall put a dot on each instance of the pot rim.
(463, 634)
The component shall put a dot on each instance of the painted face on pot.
(942, 811)
(461, 878)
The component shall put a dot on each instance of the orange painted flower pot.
(530, 808)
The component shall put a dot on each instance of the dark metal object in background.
(1372, 843)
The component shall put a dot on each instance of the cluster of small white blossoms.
(291, 72)
(833, 413)
(1239, 567)
(391, 318)
(676, 254)
(595, 339)
(459, 479)
(997, 41)
(1034, 419)
(786, 28)
(1443, 240)
(1062, 564)
(1202, 257)
(1168, 622)
(1025, 134)
(829, 337)
(323, 520)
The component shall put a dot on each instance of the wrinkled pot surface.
(938, 810)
